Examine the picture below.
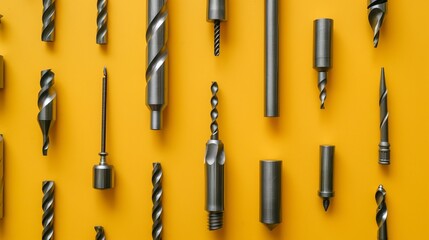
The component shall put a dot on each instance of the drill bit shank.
(100, 233)
(157, 202)
(48, 19)
(326, 190)
(384, 146)
(47, 106)
(270, 193)
(101, 37)
(381, 213)
(377, 9)
(216, 13)
(48, 188)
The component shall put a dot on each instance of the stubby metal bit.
(47, 106)
(48, 19)
(270, 206)
(377, 9)
(381, 213)
(271, 58)
(384, 146)
(103, 174)
(101, 37)
(1, 177)
(48, 188)
(216, 13)
(157, 202)
(326, 190)
(214, 168)
(100, 233)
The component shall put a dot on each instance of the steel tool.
(48, 19)
(157, 202)
(216, 13)
(270, 193)
(381, 213)
(48, 188)
(377, 9)
(100, 233)
(384, 146)
(47, 106)
(271, 58)
(326, 190)
(101, 37)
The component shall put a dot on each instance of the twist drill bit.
(103, 175)
(101, 37)
(157, 202)
(1, 176)
(100, 233)
(381, 214)
(47, 106)
(48, 188)
(322, 54)
(377, 9)
(326, 190)
(384, 146)
(214, 168)
(157, 53)
(48, 19)
(270, 192)
(271, 58)
(216, 12)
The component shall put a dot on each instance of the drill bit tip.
(326, 203)
(271, 226)
(105, 71)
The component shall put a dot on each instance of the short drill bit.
(48, 19)
(101, 37)
(1, 176)
(326, 190)
(377, 9)
(100, 233)
(216, 13)
(381, 213)
(157, 202)
(214, 168)
(384, 146)
(47, 106)
(48, 188)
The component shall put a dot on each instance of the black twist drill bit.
(326, 190)
(47, 106)
(101, 37)
(48, 19)
(157, 201)
(384, 146)
(216, 12)
(377, 9)
(100, 233)
(48, 188)
(381, 214)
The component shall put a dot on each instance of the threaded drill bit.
(48, 188)
(216, 38)
(381, 213)
(384, 146)
(216, 12)
(100, 233)
(48, 19)
(101, 37)
(377, 9)
(47, 106)
(157, 201)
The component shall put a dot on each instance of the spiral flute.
(384, 146)
(48, 188)
(381, 213)
(47, 106)
(157, 201)
(377, 9)
(100, 233)
(48, 19)
(101, 37)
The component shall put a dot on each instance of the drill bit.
(377, 9)
(101, 37)
(48, 19)
(326, 190)
(48, 188)
(381, 213)
(100, 233)
(1, 176)
(216, 12)
(47, 106)
(157, 202)
(384, 146)
(214, 168)
(271, 192)
(103, 173)
(322, 54)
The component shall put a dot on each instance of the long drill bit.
(157, 53)
(377, 9)
(1, 176)
(384, 146)
(157, 201)
(48, 188)
(101, 37)
(381, 213)
(214, 168)
(100, 233)
(47, 106)
(216, 13)
(48, 19)
(326, 190)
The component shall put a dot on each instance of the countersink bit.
(48, 188)
(157, 202)
(214, 169)
(100, 233)
(101, 37)
(47, 106)
(322, 54)
(326, 190)
(1, 176)
(48, 19)
(216, 13)
(270, 206)
(103, 174)
(381, 213)
(377, 9)
(384, 146)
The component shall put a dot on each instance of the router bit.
(48, 19)
(101, 37)
(216, 12)
(157, 202)
(322, 54)
(157, 53)
(381, 213)
(48, 188)
(214, 168)
(271, 58)
(326, 190)
(1, 176)
(384, 146)
(47, 106)
(270, 193)
(377, 9)
(100, 233)
(103, 174)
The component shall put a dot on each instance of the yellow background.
(350, 120)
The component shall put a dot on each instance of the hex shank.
(271, 59)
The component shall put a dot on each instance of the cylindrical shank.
(271, 58)
(326, 190)
(216, 10)
(270, 192)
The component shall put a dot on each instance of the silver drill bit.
(157, 53)
(216, 13)
(384, 146)
(381, 213)
(214, 169)
(48, 19)
(100, 233)
(101, 37)
(103, 174)
(157, 201)
(377, 9)
(322, 54)
(326, 190)
(271, 58)
(47, 106)
(48, 188)
(270, 206)
(1, 176)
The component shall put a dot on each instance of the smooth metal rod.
(271, 58)
(270, 192)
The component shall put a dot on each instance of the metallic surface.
(157, 201)
(326, 189)
(103, 174)
(271, 58)
(1, 72)
(100, 233)
(384, 146)
(157, 53)
(377, 9)
(270, 208)
(48, 19)
(322, 54)
(381, 213)
(214, 169)
(101, 37)
(1, 176)
(47, 106)
(216, 13)
(48, 188)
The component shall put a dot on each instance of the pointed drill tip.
(322, 105)
(105, 71)
(271, 226)
(326, 203)
(45, 151)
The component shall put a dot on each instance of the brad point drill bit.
(100, 233)
(103, 173)
(377, 9)
(101, 37)
(47, 106)
(1, 176)
(214, 169)
(326, 190)
(384, 146)
(157, 53)
(48, 19)
(270, 193)
(216, 12)
(322, 54)
(381, 214)
(48, 188)
(157, 202)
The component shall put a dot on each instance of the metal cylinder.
(322, 44)
(216, 10)
(270, 192)
(103, 176)
(326, 189)
(271, 58)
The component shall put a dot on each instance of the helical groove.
(100, 235)
(101, 37)
(47, 106)
(376, 12)
(48, 20)
(381, 213)
(214, 113)
(157, 202)
(48, 210)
